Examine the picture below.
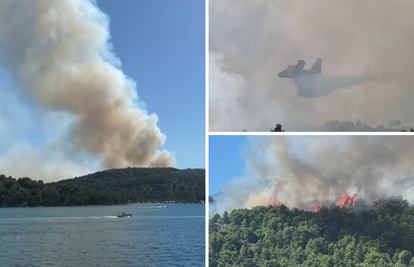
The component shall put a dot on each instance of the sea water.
(93, 236)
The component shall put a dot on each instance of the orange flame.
(275, 203)
(376, 199)
(317, 208)
(347, 200)
(273, 200)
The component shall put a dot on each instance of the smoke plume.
(299, 171)
(59, 54)
(367, 50)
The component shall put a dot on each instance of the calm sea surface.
(94, 236)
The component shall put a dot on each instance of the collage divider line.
(206, 108)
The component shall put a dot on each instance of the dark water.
(94, 236)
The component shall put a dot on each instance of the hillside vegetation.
(377, 234)
(116, 186)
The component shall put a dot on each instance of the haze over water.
(94, 236)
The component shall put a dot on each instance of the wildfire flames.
(273, 201)
(316, 209)
(347, 200)
(376, 199)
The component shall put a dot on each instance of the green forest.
(377, 234)
(109, 187)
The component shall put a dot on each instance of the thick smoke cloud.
(59, 54)
(367, 49)
(22, 153)
(319, 169)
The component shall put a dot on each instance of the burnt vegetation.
(110, 187)
(377, 234)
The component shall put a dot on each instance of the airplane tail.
(317, 67)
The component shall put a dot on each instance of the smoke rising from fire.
(304, 171)
(59, 54)
(251, 41)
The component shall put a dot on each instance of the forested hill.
(116, 186)
(377, 234)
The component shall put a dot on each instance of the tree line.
(109, 187)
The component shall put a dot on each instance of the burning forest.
(317, 201)
(349, 233)
(308, 172)
(346, 201)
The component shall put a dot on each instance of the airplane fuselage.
(293, 71)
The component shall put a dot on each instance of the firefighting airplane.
(292, 71)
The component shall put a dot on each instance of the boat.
(123, 214)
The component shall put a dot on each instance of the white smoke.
(251, 41)
(309, 169)
(59, 55)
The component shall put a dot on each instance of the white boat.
(123, 214)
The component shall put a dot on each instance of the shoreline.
(69, 206)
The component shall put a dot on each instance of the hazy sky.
(159, 48)
(367, 48)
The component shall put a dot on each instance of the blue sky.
(225, 161)
(161, 45)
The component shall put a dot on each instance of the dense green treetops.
(116, 186)
(377, 234)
